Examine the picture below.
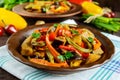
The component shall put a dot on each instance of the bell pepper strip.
(79, 1)
(77, 46)
(58, 27)
(85, 55)
(67, 48)
(52, 36)
(46, 63)
(91, 8)
(97, 44)
(82, 44)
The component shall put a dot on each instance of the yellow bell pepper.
(10, 17)
(91, 8)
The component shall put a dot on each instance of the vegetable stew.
(62, 45)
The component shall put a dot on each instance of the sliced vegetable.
(75, 63)
(46, 63)
(52, 36)
(69, 48)
(50, 56)
(85, 55)
(77, 46)
(52, 50)
(79, 1)
(97, 44)
(89, 45)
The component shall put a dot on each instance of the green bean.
(77, 46)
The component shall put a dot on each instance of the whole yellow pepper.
(91, 8)
(10, 17)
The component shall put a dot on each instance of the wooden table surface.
(7, 76)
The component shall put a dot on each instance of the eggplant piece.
(26, 47)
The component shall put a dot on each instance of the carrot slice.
(46, 63)
(97, 45)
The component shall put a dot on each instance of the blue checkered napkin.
(108, 71)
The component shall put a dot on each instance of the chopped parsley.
(90, 39)
(36, 35)
(68, 55)
(74, 32)
(55, 25)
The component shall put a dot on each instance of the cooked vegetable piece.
(46, 63)
(52, 36)
(52, 50)
(98, 51)
(75, 63)
(50, 56)
(77, 39)
(89, 45)
(69, 48)
(77, 46)
(92, 58)
(97, 44)
(27, 47)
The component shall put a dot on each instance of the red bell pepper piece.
(69, 48)
(79, 1)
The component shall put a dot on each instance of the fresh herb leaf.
(74, 32)
(55, 25)
(68, 55)
(90, 39)
(36, 35)
(9, 1)
(31, 0)
(61, 57)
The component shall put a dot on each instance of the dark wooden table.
(112, 4)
